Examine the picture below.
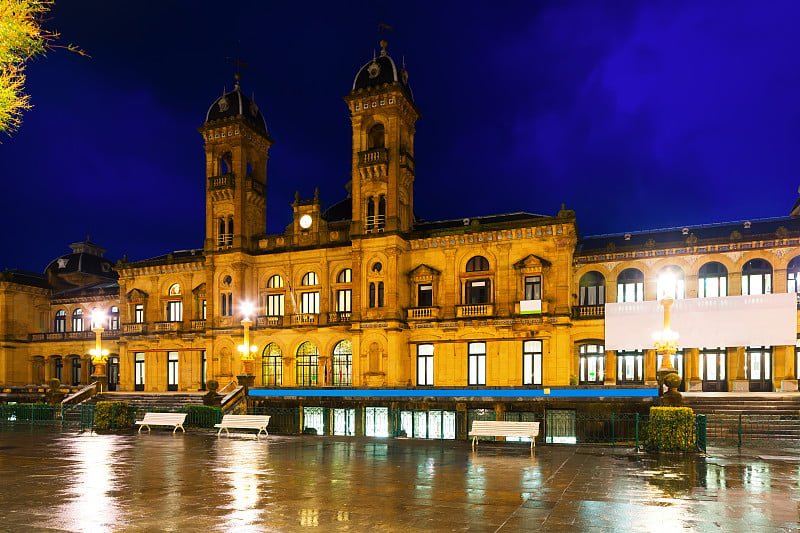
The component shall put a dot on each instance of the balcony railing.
(52, 336)
(305, 319)
(79, 335)
(373, 157)
(198, 324)
(463, 311)
(423, 313)
(166, 327)
(226, 181)
(133, 328)
(269, 321)
(339, 317)
(589, 311)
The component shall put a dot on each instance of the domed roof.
(86, 259)
(380, 70)
(235, 104)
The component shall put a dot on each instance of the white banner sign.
(759, 320)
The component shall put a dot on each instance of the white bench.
(258, 422)
(163, 419)
(489, 428)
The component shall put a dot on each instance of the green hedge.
(114, 415)
(671, 429)
(203, 416)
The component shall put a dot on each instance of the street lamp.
(666, 341)
(247, 351)
(99, 356)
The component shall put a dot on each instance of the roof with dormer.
(382, 70)
(235, 104)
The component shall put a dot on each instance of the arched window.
(60, 322)
(274, 300)
(174, 289)
(310, 278)
(307, 364)
(309, 301)
(272, 365)
(380, 294)
(630, 286)
(229, 235)
(372, 295)
(712, 280)
(477, 264)
(345, 276)
(376, 137)
(75, 364)
(344, 295)
(380, 221)
(592, 289)
(793, 275)
(221, 232)
(670, 283)
(77, 320)
(757, 277)
(342, 364)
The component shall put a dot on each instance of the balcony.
(588, 311)
(305, 319)
(52, 336)
(375, 156)
(423, 313)
(134, 328)
(82, 335)
(167, 327)
(264, 321)
(197, 325)
(339, 317)
(473, 310)
(226, 181)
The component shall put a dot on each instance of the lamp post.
(247, 351)
(99, 356)
(666, 344)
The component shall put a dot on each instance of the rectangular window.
(138, 370)
(274, 305)
(425, 364)
(376, 421)
(477, 363)
(425, 295)
(593, 295)
(533, 288)
(344, 300)
(630, 292)
(138, 313)
(630, 367)
(309, 303)
(203, 309)
(172, 371)
(712, 287)
(591, 362)
(175, 311)
(532, 362)
(477, 292)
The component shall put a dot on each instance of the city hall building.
(365, 307)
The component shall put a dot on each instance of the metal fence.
(753, 431)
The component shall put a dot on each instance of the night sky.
(637, 115)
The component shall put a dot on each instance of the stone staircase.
(151, 400)
(749, 419)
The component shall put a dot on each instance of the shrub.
(114, 415)
(202, 416)
(671, 429)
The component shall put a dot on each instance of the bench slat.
(501, 428)
(162, 419)
(258, 422)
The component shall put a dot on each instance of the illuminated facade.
(364, 295)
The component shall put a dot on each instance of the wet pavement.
(66, 481)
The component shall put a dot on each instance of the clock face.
(305, 221)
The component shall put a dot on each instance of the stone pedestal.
(789, 385)
(741, 385)
(694, 385)
(102, 382)
(246, 381)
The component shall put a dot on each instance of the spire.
(383, 44)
